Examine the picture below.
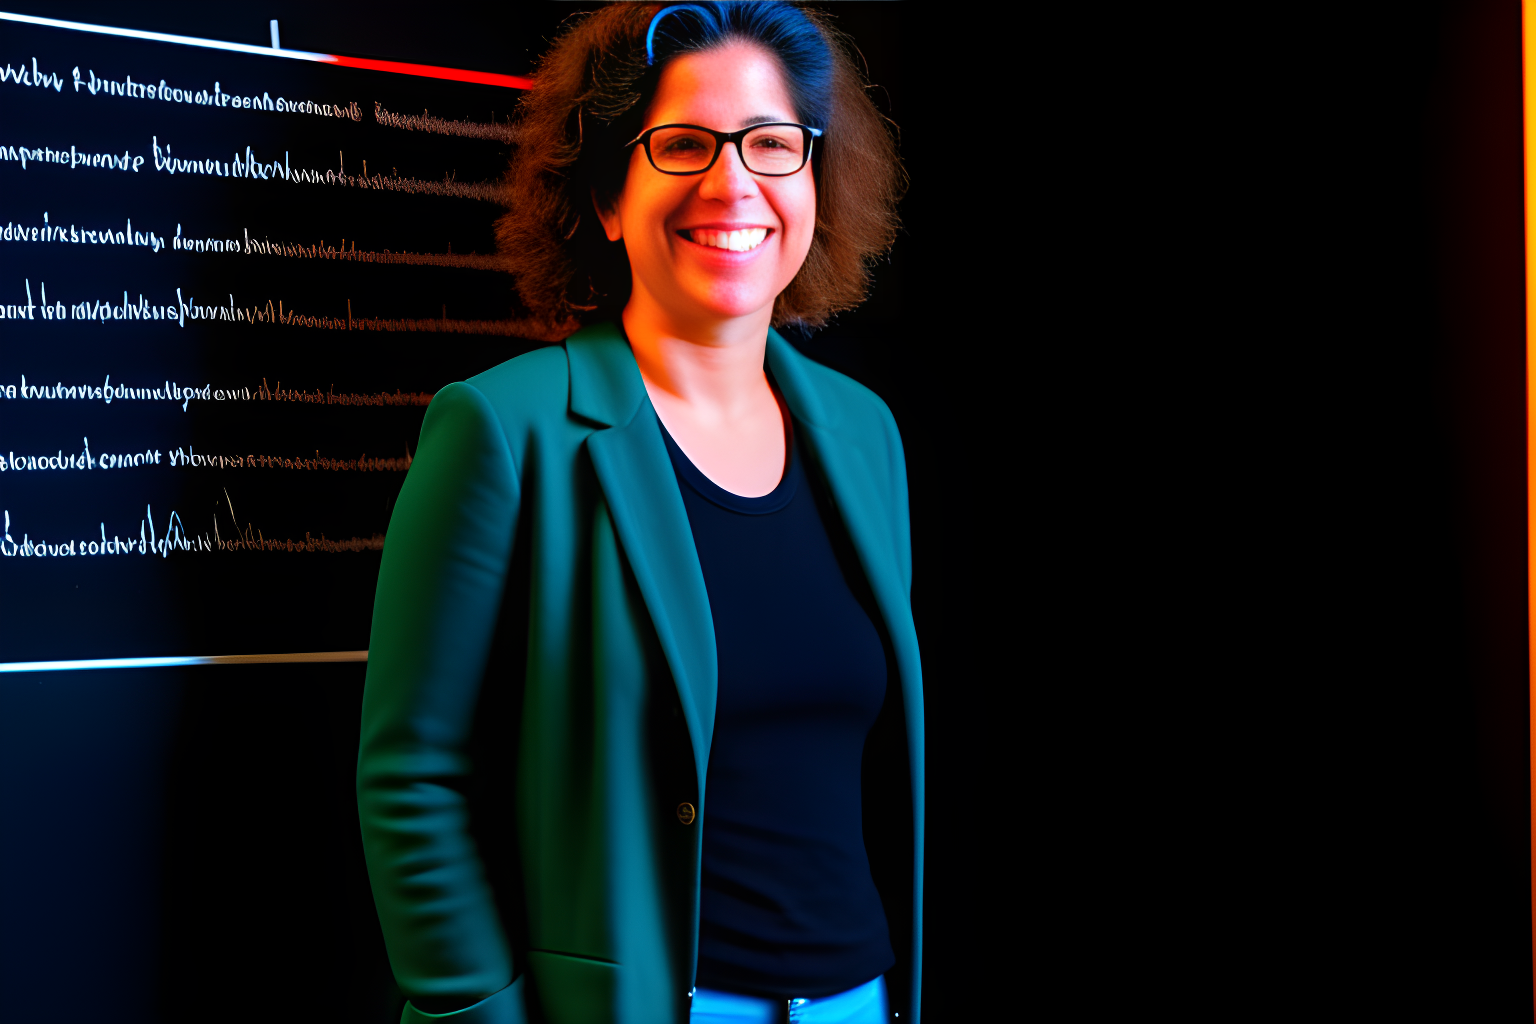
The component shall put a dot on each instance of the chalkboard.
(230, 283)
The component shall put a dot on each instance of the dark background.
(1209, 361)
(1279, 542)
(1392, 483)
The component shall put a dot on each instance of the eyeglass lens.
(772, 149)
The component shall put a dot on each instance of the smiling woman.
(679, 551)
(592, 97)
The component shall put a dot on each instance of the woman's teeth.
(736, 241)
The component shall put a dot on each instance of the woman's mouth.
(744, 240)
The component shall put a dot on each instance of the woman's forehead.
(724, 88)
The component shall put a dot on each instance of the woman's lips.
(739, 240)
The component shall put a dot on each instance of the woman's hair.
(589, 98)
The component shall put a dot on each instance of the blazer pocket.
(504, 1007)
(573, 989)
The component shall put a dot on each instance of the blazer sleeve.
(440, 585)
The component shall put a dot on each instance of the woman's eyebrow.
(759, 119)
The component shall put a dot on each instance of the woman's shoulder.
(830, 398)
(511, 402)
(532, 380)
(519, 393)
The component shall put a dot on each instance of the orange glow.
(1528, 50)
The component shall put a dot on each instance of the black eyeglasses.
(772, 150)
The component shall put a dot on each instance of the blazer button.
(686, 813)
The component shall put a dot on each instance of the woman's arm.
(440, 586)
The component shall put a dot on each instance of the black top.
(788, 905)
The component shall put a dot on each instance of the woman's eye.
(682, 145)
(767, 144)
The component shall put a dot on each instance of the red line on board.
(397, 67)
(431, 71)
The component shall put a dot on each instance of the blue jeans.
(865, 1004)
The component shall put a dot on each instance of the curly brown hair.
(589, 96)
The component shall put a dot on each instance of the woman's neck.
(708, 362)
(707, 384)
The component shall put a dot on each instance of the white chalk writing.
(21, 75)
(217, 97)
(126, 87)
(148, 542)
(107, 310)
(208, 244)
(151, 541)
(183, 310)
(190, 458)
(46, 232)
(71, 158)
(10, 462)
(249, 166)
(108, 392)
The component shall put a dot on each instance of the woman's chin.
(729, 302)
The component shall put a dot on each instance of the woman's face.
(675, 227)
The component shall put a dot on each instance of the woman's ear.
(610, 218)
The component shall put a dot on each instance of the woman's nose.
(729, 179)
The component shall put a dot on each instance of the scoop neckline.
(706, 488)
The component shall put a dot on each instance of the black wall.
(1272, 749)
(1404, 763)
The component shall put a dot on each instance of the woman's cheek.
(799, 213)
(798, 245)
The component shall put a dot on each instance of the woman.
(642, 735)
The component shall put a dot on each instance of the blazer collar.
(800, 392)
(605, 381)
(606, 387)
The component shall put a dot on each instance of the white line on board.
(164, 37)
(211, 659)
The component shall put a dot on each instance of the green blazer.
(541, 687)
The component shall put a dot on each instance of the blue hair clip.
(650, 33)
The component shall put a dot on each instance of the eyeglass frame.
(723, 138)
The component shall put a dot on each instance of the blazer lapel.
(859, 500)
(640, 486)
